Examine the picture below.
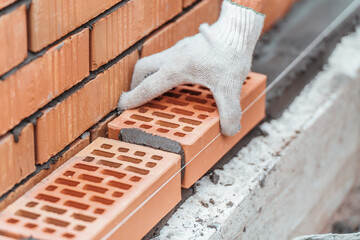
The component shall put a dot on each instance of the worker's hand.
(219, 57)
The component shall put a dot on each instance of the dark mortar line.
(16, 131)
(108, 12)
(63, 96)
(12, 7)
(59, 99)
(39, 167)
(112, 113)
(33, 56)
(140, 42)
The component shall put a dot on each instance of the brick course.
(67, 120)
(51, 20)
(38, 82)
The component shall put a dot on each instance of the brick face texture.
(13, 40)
(66, 121)
(187, 3)
(17, 160)
(75, 147)
(35, 84)
(121, 29)
(50, 20)
(4, 3)
(188, 25)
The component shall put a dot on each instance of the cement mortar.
(136, 136)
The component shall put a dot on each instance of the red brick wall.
(50, 56)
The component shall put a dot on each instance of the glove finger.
(228, 103)
(150, 88)
(145, 67)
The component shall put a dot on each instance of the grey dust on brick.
(136, 136)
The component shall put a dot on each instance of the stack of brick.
(63, 66)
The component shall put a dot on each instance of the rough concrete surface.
(347, 217)
(283, 45)
(354, 236)
(288, 182)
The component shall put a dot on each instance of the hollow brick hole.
(109, 164)
(102, 153)
(145, 126)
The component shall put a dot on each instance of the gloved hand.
(219, 57)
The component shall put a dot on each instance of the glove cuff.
(238, 27)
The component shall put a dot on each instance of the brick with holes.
(188, 115)
(87, 197)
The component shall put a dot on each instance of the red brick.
(13, 38)
(189, 116)
(17, 159)
(38, 82)
(4, 3)
(187, 3)
(187, 25)
(67, 120)
(75, 147)
(51, 20)
(102, 195)
(100, 129)
(119, 30)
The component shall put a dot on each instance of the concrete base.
(291, 181)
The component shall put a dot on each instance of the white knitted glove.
(219, 57)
